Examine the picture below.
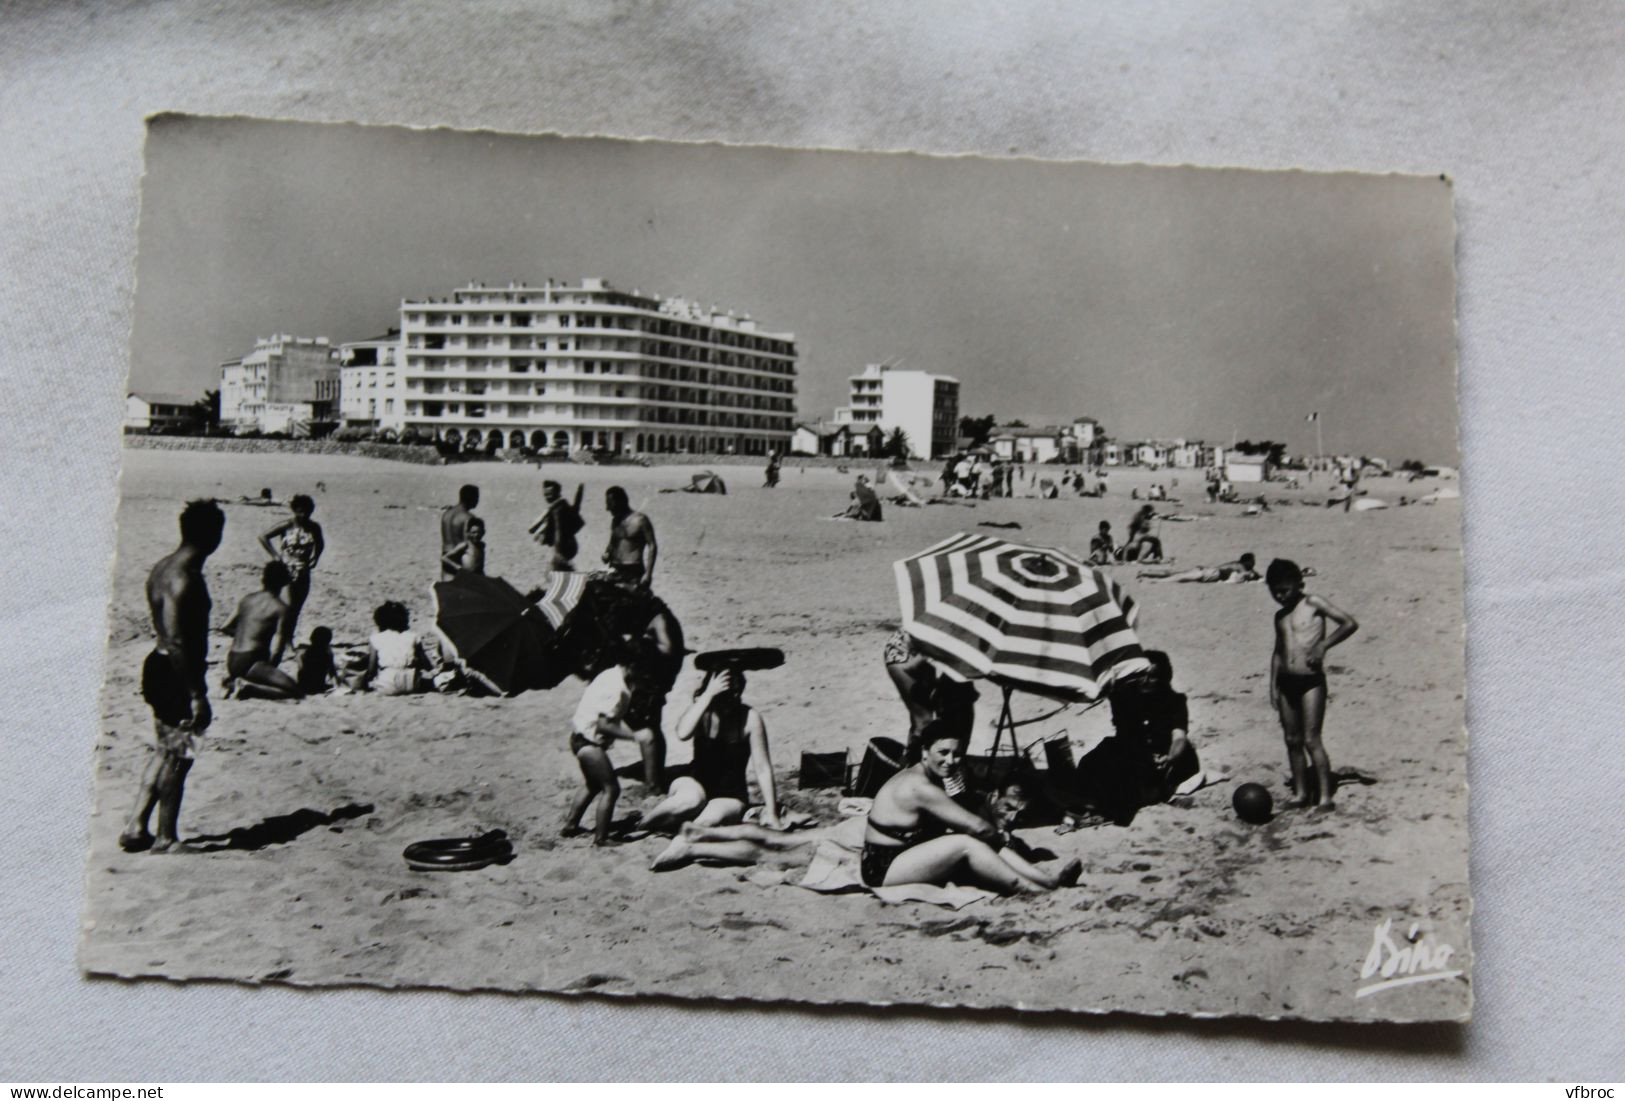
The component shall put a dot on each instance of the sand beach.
(1187, 910)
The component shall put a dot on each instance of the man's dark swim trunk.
(164, 690)
(627, 573)
(239, 663)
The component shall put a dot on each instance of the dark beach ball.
(1253, 803)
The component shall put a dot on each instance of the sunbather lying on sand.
(1242, 569)
(263, 500)
(917, 834)
(748, 844)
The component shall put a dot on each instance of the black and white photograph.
(703, 571)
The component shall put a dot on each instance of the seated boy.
(317, 670)
(469, 555)
(261, 626)
(1102, 551)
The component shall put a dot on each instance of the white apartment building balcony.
(589, 355)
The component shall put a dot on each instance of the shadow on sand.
(279, 829)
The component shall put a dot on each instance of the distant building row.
(549, 366)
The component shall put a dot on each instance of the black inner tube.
(459, 853)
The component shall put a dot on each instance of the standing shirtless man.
(172, 677)
(632, 548)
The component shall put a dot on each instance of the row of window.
(435, 342)
(624, 323)
(623, 368)
(511, 411)
(581, 391)
(707, 444)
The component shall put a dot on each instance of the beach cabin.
(806, 440)
(1151, 454)
(153, 412)
(1242, 467)
(1187, 455)
(868, 444)
(1026, 445)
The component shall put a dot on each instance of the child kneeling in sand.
(600, 720)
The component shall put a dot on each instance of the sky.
(1165, 302)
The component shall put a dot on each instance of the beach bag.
(985, 772)
(822, 770)
(882, 759)
(1058, 755)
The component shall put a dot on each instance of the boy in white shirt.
(601, 719)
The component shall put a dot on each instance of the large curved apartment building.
(591, 366)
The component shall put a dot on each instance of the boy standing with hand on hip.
(1298, 676)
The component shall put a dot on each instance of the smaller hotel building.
(925, 406)
(285, 384)
(368, 374)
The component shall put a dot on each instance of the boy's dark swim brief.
(1299, 683)
(579, 741)
(164, 690)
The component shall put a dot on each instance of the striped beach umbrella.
(1027, 617)
(563, 592)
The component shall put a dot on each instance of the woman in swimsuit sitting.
(917, 834)
(730, 740)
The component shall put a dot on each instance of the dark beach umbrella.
(500, 637)
(707, 482)
(1027, 617)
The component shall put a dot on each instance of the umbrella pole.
(1006, 722)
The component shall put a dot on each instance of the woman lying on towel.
(917, 834)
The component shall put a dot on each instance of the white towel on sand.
(834, 868)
